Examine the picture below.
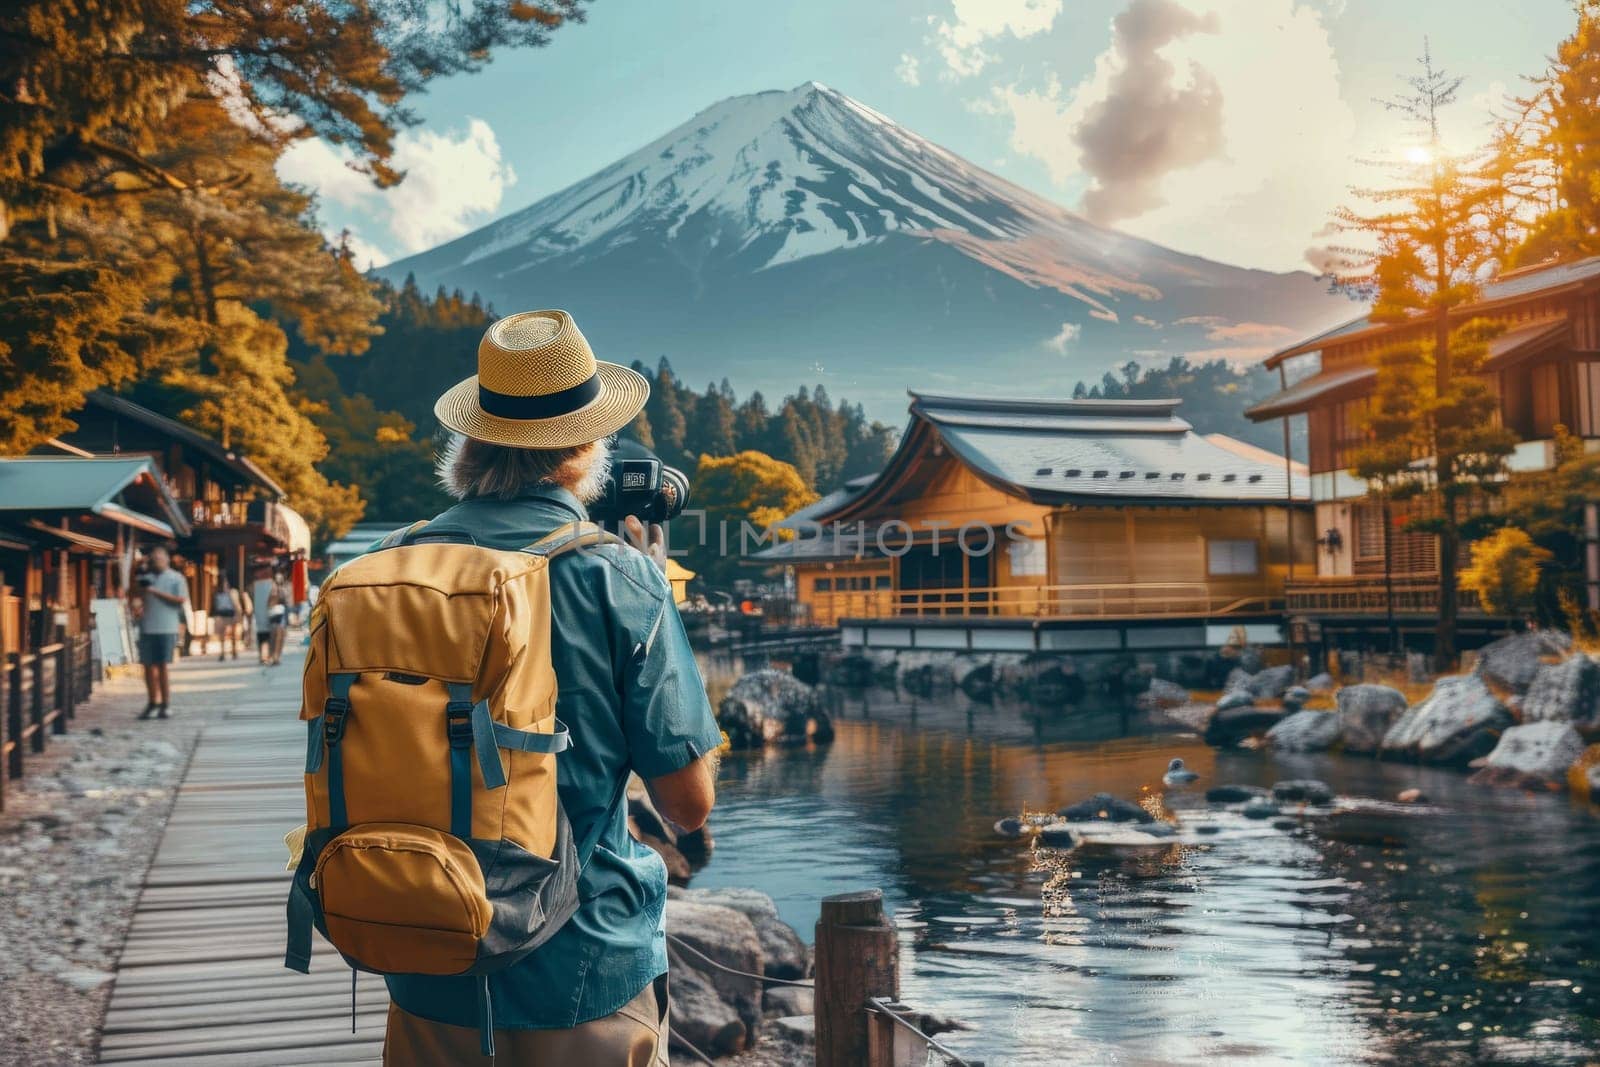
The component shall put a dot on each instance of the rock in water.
(1295, 697)
(1513, 661)
(1010, 826)
(783, 953)
(1234, 794)
(974, 676)
(767, 705)
(1302, 791)
(1568, 691)
(1412, 796)
(1260, 808)
(1163, 694)
(1533, 755)
(1305, 731)
(1057, 836)
(1320, 683)
(1104, 806)
(1229, 726)
(1271, 683)
(727, 936)
(1235, 698)
(1458, 722)
(1366, 712)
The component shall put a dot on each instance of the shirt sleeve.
(666, 717)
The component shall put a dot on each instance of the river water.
(1464, 931)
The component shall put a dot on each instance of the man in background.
(160, 601)
(261, 619)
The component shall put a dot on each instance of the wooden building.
(234, 511)
(69, 528)
(1003, 522)
(1545, 368)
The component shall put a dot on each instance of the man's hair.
(469, 468)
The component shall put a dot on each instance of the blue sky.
(1268, 104)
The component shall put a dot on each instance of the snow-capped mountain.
(801, 236)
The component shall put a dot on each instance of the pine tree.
(1430, 249)
(713, 431)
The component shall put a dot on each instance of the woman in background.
(226, 611)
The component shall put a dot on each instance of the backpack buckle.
(333, 716)
(458, 723)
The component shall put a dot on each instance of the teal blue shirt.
(631, 693)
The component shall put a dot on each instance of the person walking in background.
(226, 611)
(278, 603)
(160, 599)
(261, 621)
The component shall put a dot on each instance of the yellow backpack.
(435, 840)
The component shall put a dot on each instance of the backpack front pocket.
(403, 899)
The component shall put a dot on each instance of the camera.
(145, 579)
(640, 485)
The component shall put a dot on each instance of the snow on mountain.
(812, 212)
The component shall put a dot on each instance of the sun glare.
(1418, 155)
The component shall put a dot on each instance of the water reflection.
(1463, 932)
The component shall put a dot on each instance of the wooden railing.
(1414, 594)
(38, 696)
(1120, 599)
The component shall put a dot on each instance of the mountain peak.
(784, 202)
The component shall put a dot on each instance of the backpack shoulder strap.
(398, 537)
(573, 536)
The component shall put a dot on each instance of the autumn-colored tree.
(143, 232)
(1565, 113)
(1505, 571)
(1549, 506)
(748, 488)
(1432, 428)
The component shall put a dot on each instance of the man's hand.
(651, 540)
(170, 598)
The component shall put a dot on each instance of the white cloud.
(961, 39)
(907, 70)
(1069, 332)
(1265, 72)
(453, 181)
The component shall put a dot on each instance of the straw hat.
(539, 386)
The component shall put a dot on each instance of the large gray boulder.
(974, 676)
(1270, 683)
(783, 954)
(1513, 661)
(1305, 731)
(1532, 755)
(772, 705)
(1231, 725)
(1320, 683)
(1458, 722)
(1568, 691)
(1235, 698)
(700, 1017)
(1366, 712)
(727, 936)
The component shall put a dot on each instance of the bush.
(1505, 571)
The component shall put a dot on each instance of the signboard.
(111, 630)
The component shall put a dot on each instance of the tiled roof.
(1507, 286)
(1100, 451)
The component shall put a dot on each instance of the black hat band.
(547, 406)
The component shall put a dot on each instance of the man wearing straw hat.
(529, 453)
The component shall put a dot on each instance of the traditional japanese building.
(1054, 524)
(1545, 369)
(234, 511)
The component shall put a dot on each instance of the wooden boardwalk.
(201, 980)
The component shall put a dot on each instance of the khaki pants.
(634, 1036)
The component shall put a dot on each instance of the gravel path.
(76, 837)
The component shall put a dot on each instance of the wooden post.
(36, 703)
(14, 723)
(858, 956)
